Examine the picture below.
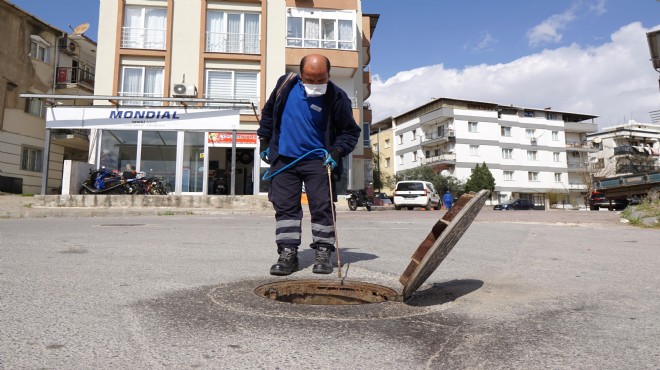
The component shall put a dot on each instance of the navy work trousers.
(285, 192)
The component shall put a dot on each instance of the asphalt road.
(521, 289)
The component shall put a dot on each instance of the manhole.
(424, 261)
(326, 292)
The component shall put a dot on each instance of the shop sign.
(130, 118)
(247, 138)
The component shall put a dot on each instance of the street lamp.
(654, 49)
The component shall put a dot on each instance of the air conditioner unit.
(69, 48)
(185, 90)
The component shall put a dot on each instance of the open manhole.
(424, 261)
(326, 292)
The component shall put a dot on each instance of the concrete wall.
(73, 175)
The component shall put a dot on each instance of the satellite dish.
(444, 173)
(81, 28)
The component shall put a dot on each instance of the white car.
(411, 194)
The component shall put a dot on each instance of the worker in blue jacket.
(448, 200)
(306, 112)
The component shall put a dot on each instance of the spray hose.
(268, 176)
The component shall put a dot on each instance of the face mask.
(315, 90)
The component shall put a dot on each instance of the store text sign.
(226, 137)
(127, 118)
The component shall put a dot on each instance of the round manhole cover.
(326, 292)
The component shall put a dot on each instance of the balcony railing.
(140, 102)
(220, 42)
(70, 75)
(143, 38)
(298, 42)
(241, 107)
(577, 186)
(434, 137)
(447, 157)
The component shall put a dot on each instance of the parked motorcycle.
(358, 198)
(104, 181)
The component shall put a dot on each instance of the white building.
(530, 152)
(625, 149)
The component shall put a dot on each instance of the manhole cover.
(326, 292)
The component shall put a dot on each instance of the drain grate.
(326, 292)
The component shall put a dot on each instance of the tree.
(480, 179)
(426, 173)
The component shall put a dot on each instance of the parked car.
(598, 200)
(515, 204)
(413, 193)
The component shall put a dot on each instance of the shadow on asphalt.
(306, 257)
(441, 293)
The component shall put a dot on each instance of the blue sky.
(585, 56)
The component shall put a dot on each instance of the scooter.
(358, 198)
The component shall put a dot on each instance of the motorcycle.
(104, 181)
(358, 198)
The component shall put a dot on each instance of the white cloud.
(549, 29)
(597, 7)
(483, 45)
(614, 80)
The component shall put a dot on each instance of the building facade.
(530, 152)
(226, 51)
(625, 149)
(39, 59)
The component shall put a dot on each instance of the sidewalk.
(39, 206)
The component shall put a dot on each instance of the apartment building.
(38, 58)
(222, 51)
(625, 149)
(530, 152)
(382, 149)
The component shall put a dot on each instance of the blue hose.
(268, 177)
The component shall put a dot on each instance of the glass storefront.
(158, 155)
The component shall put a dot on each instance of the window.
(401, 139)
(533, 176)
(508, 175)
(31, 159)
(414, 156)
(414, 135)
(366, 136)
(387, 162)
(232, 32)
(528, 113)
(555, 135)
(557, 177)
(531, 155)
(550, 116)
(228, 84)
(472, 127)
(427, 154)
(529, 133)
(326, 29)
(39, 48)
(401, 159)
(387, 143)
(474, 150)
(555, 156)
(142, 82)
(507, 153)
(441, 131)
(375, 149)
(34, 106)
(436, 152)
(144, 28)
(505, 131)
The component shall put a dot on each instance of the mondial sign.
(128, 118)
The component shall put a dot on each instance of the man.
(304, 113)
(448, 200)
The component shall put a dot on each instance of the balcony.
(580, 127)
(434, 139)
(143, 38)
(581, 146)
(74, 138)
(239, 43)
(75, 78)
(240, 107)
(577, 186)
(577, 167)
(440, 159)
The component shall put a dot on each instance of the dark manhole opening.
(326, 292)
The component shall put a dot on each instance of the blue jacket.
(342, 131)
(447, 199)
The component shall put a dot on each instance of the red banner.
(225, 138)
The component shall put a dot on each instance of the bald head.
(315, 69)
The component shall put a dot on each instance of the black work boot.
(286, 264)
(322, 264)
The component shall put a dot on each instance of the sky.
(582, 56)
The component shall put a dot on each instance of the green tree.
(426, 173)
(480, 179)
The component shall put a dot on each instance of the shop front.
(194, 151)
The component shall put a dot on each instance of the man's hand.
(264, 150)
(332, 159)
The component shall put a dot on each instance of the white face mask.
(315, 90)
